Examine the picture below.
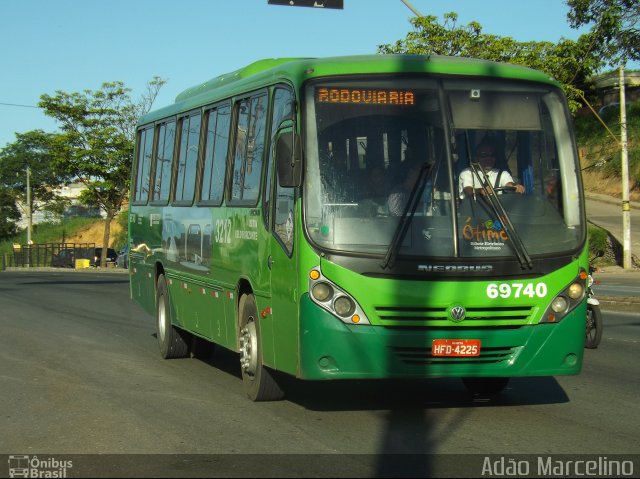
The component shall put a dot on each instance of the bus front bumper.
(331, 349)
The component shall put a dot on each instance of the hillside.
(600, 153)
(94, 233)
(598, 182)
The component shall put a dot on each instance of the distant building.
(71, 192)
(607, 87)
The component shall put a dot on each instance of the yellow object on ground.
(82, 263)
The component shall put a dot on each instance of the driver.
(468, 183)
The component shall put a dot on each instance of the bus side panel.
(239, 260)
(215, 314)
(142, 273)
(188, 304)
(203, 309)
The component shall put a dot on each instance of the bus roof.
(296, 70)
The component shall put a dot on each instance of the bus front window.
(367, 142)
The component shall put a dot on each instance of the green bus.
(308, 214)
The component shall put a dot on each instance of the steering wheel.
(505, 189)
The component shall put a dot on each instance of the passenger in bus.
(552, 185)
(470, 185)
(374, 199)
(399, 195)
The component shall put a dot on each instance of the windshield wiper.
(498, 209)
(407, 215)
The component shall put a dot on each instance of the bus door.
(282, 255)
(282, 263)
(283, 277)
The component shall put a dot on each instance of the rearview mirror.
(289, 158)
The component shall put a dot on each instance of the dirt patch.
(94, 234)
(597, 182)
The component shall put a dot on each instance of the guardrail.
(62, 255)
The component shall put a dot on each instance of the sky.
(77, 45)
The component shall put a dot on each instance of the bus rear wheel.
(485, 386)
(172, 341)
(257, 380)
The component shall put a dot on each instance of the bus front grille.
(496, 317)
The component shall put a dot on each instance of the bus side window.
(216, 146)
(247, 167)
(188, 159)
(283, 216)
(145, 147)
(163, 161)
(282, 110)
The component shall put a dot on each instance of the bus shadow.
(413, 415)
(358, 395)
(222, 359)
(418, 394)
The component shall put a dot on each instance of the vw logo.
(457, 313)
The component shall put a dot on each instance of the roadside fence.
(63, 255)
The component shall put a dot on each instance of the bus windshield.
(368, 140)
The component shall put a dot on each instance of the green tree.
(615, 34)
(31, 150)
(9, 213)
(568, 61)
(97, 140)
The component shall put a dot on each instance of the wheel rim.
(249, 349)
(162, 326)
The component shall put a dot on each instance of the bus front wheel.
(172, 341)
(258, 382)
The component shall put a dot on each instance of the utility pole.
(411, 7)
(626, 208)
(29, 221)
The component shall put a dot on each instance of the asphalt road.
(617, 285)
(80, 373)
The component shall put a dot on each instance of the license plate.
(455, 347)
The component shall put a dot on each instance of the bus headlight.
(322, 292)
(566, 301)
(344, 306)
(575, 291)
(559, 304)
(334, 299)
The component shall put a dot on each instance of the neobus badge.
(454, 268)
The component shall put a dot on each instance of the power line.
(18, 105)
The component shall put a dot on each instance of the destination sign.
(364, 96)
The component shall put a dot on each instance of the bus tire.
(171, 340)
(258, 382)
(485, 386)
(594, 327)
